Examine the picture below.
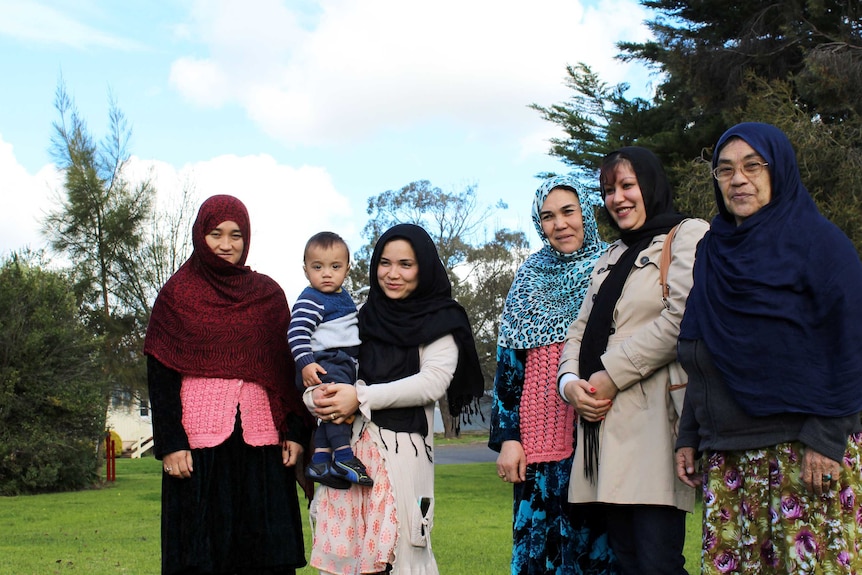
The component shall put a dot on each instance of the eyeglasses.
(749, 169)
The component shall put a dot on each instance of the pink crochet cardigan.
(547, 422)
(209, 411)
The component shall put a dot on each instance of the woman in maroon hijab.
(227, 422)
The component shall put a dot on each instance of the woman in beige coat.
(618, 369)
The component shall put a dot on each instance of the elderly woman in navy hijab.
(772, 344)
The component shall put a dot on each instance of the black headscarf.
(392, 330)
(660, 218)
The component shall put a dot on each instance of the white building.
(133, 422)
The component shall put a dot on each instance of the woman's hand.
(604, 385)
(686, 469)
(335, 402)
(512, 462)
(818, 472)
(583, 396)
(291, 452)
(178, 464)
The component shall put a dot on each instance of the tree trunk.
(450, 429)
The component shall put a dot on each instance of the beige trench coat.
(636, 453)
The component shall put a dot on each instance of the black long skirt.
(237, 514)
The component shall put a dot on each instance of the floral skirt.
(551, 536)
(356, 529)
(758, 517)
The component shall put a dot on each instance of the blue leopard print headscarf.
(548, 288)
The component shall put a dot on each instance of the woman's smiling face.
(398, 270)
(623, 197)
(743, 195)
(225, 241)
(562, 221)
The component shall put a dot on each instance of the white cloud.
(35, 21)
(369, 65)
(205, 83)
(26, 198)
(286, 204)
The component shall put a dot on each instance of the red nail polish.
(592, 390)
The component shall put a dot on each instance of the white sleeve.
(564, 379)
(437, 363)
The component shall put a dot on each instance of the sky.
(303, 109)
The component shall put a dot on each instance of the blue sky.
(302, 108)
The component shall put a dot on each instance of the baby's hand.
(309, 374)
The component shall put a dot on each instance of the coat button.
(613, 330)
(644, 260)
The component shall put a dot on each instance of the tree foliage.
(168, 242)
(796, 64)
(590, 120)
(481, 263)
(120, 248)
(705, 51)
(99, 222)
(487, 274)
(68, 340)
(51, 386)
(98, 225)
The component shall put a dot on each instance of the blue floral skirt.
(758, 517)
(552, 536)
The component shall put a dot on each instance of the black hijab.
(660, 218)
(392, 331)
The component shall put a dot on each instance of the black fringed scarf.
(392, 331)
(661, 217)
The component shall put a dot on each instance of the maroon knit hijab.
(217, 319)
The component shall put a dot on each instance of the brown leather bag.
(664, 264)
(677, 376)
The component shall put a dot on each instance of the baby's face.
(326, 268)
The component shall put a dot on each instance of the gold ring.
(332, 417)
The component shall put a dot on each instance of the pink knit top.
(547, 422)
(209, 411)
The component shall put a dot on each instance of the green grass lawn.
(116, 529)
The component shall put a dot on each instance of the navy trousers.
(647, 539)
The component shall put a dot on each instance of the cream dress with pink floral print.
(362, 529)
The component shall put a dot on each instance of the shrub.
(52, 406)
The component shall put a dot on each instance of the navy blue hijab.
(776, 298)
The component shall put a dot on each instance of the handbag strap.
(664, 264)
